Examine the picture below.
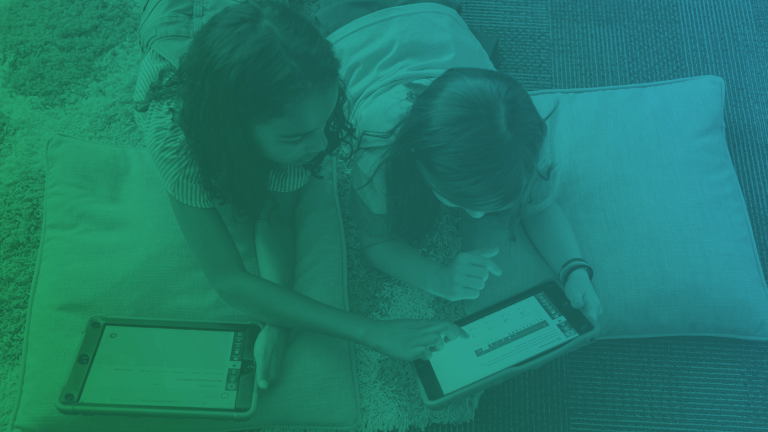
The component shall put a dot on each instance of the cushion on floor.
(111, 246)
(646, 181)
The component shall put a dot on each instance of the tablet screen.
(165, 367)
(502, 339)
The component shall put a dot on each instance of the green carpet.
(70, 67)
(78, 78)
(59, 67)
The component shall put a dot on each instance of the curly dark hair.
(474, 136)
(241, 69)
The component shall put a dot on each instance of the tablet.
(163, 368)
(506, 339)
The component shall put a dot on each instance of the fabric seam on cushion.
(33, 291)
(621, 87)
(345, 292)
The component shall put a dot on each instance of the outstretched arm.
(276, 247)
(276, 240)
(551, 233)
(400, 260)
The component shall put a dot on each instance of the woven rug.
(682, 384)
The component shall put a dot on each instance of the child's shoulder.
(385, 107)
(369, 178)
(368, 159)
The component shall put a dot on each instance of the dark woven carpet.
(683, 384)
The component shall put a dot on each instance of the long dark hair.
(242, 67)
(474, 136)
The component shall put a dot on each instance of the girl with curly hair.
(240, 102)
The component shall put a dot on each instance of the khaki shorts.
(167, 26)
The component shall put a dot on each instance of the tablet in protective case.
(506, 339)
(163, 368)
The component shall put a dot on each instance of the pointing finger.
(493, 268)
(484, 260)
(262, 371)
(440, 343)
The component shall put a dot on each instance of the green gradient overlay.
(70, 67)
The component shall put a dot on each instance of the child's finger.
(593, 305)
(453, 332)
(592, 310)
(262, 371)
(493, 268)
(426, 354)
(576, 294)
(482, 258)
(486, 252)
(440, 344)
(577, 300)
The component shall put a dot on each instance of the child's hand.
(411, 339)
(465, 276)
(580, 292)
(268, 351)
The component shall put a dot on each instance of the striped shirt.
(167, 149)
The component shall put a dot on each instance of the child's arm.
(553, 236)
(212, 245)
(462, 279)
(276, 241)
(400, 260)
